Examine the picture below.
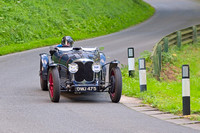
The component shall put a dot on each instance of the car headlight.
(96, 68)
(73, 68)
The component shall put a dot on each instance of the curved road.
(24, 108)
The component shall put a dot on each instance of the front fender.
(44, 65)
(53, 65)
(102, 58)
(112, 65)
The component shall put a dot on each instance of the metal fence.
(184, 36)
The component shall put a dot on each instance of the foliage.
(29, 24)
(146, 54)
(166, 95)
(168, 57)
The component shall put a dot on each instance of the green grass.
(26, 24)
(166, 95)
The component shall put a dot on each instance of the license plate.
(82, 89)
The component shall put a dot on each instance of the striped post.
(142, 74)
(186, 89)
(131, 62)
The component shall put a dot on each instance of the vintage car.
(79, 70)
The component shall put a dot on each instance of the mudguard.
(102, 58)
(44, 65)
(102, 62)
(112, 65)
(53, 65)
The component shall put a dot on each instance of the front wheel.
(116, 84)
(54, 84)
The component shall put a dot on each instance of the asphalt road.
(24, 108)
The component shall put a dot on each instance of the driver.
(67, 41)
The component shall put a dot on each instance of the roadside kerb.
(137, 105)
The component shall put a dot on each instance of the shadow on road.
(92, 97)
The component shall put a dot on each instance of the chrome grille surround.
(85, 72)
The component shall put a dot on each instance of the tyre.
(116, 84)
(54, 84)
(43, 82)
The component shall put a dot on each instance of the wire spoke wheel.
(51, 84)
(116, 84)
(54, 84)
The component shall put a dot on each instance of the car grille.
(84, 72)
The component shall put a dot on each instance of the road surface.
(24, 108)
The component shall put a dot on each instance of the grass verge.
(26, 24)
(166, 95)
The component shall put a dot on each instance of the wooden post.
(194, 34)
(155, 65)
(179, 39)
(166, 46)
(159, 58)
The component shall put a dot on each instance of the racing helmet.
(67, 41)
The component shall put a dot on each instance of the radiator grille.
(84, 72)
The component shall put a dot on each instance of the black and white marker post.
(131, 62)
(186, 89)
(142, 74)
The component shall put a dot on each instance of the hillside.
(166, 94)
(26, 22)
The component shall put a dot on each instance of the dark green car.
(78, 69)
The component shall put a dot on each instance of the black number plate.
(85, 89)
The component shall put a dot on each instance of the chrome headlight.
(73, 68)
(96, 68)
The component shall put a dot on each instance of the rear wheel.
(43, 82)
(116, 84)
(54, 84)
